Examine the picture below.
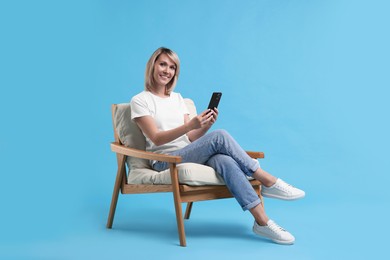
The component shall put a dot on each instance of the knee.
(221, 133)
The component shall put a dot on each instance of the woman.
(164, 120)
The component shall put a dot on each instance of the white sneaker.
(274, 232)
(282, 190)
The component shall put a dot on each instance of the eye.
(173, 67)
(163, 64)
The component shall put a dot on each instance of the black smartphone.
(214, 101)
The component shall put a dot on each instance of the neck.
(159, 91)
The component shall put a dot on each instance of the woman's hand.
(200, 124)
(206, 118)
(203, 121)
(215, 116)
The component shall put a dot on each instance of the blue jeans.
(220, 151)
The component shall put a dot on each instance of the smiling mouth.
(164, 77)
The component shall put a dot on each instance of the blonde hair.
(149, 78)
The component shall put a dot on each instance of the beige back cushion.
(140, 171)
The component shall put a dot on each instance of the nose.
(166, 70)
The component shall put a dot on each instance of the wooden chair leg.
(188, 210)
(177, 200)
(115, 193)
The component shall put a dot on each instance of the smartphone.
(214, 101)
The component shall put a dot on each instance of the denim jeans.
(220, 151)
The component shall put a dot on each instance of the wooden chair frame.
(181, 192)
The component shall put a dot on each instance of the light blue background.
(304, 81)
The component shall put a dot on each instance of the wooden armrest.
(255, 155)
(118, 148)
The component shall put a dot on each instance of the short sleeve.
(183, 106)
(139, 107)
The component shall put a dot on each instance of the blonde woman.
(164, 120)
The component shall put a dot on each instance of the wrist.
(187, 127)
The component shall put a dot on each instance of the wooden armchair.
(128, 151)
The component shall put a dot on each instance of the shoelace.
(275, 228)
(285, 187)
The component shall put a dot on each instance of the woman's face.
(164, 70)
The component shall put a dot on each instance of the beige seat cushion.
(189, 173)
(140, 171)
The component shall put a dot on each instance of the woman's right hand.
(201, 120)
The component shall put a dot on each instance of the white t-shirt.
(168, 113)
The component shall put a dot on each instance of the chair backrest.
(128, 133)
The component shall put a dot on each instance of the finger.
(207, 115)
(210, 118)
(204, 120)
(214, 114)
(205, 112)
(210, 115)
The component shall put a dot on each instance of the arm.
(148, 126)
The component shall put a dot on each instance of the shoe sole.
(281, 242)
(281, 197)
